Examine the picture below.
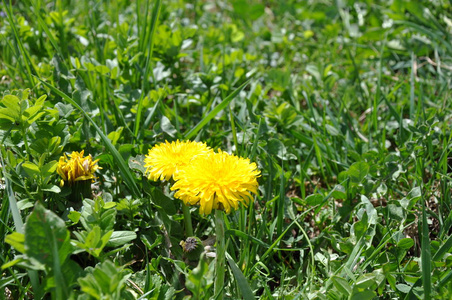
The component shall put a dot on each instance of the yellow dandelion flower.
(164, 160)
(76, 167)
(217, 181)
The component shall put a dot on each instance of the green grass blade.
(244, 287)
(122, 165)
(12, 201)
(281, 202)
(443, 249)
(22, 50)
(216, 110)
(150, 47)
(273, 246)
(426, 256)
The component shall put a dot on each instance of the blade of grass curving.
(12, 201)
(61, 290)
(216, 110)
(150, 47)
(241, 280)
(19, 224)
(353, 258)
(426, 256)
(281, 202)
(244, 236)
(445, 279)
(234, 131)
(123, 168)
(311, 251)
(438, 37)
(147, 122)
(443, 249)
(256, 141)
(273, 246)
(25, 54)
(374, 118)
(412, 84)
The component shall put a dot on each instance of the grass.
(344, 106)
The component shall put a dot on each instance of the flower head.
(164, 160)
(216, 181)
(76, 167)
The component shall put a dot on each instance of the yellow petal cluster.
(216, 180)
(76, 167)
(166, 159)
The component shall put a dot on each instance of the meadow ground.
(342, 107)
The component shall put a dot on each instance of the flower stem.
(220, 255)
(187, 220)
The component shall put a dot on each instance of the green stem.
(220, 255)
(187, 220)
(24, 134)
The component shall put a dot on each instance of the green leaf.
(105, 281)
(358, 171)
(405, 243)
(365, 295)
(46, 236)
(137, 163)
(164, 202)
(74, 216)
(94, 242)
(12, 110)
(31, 114)
(342, 285)
(49, 168)
(119, 238)
(16, 240)
(96, 212)
(404, 288)
(7, 117)
(241, 280)
(31, 169)
(51, 188)
(396, 212)
(365, 281)
(339, 192)
(314, 199)
(443, 249)
(6, 123)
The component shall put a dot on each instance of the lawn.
(239, 149)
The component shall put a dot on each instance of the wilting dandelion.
(76, 167)
(77, 171)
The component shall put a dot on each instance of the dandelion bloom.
(76, 167)
(216, 181)
(164, 160)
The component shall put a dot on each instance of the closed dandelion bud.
(192, 248)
